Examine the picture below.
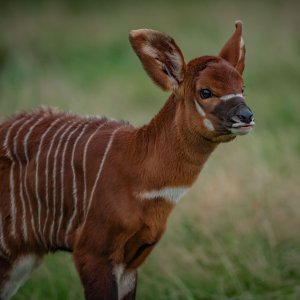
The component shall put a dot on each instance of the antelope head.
(209, 89)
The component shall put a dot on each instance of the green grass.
(235, 235)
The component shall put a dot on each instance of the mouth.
(241, 128)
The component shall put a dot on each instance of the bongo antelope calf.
(103, 189)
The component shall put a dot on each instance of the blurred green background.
(236, 234)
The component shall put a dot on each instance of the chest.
(156, 208)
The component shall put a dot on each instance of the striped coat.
(45, 198)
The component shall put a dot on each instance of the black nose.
(245, 115)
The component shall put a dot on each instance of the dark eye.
(205, 93)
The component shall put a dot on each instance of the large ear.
(160, 56)
(234, 50)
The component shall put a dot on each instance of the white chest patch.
(172, 194)
(19, 274)
(125, 280)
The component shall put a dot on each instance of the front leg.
(97, 277)
(102, 281)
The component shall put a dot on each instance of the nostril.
(245, 115)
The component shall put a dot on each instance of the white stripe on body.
(13, 209)
(11, 178)
(109, 144)
(37, 172)
(230, 96)
(5, 143)
(84, 167)
(70, 132)
(62, 169)
(25, 144)
(3, 244)
(75, 196)
(171, 194)
(47, 171)
(21, 193)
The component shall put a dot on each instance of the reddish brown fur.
(120, 228)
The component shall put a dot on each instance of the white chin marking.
(20, 272)
(240, 130)
(208, 124)
(228, 97)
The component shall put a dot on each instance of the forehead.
(214, 72)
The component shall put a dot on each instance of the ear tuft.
(234, 50)
(134, 33)
(238, 23)
(160, 56)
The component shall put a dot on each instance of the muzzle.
(236, 116)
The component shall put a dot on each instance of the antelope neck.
(171, 152)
